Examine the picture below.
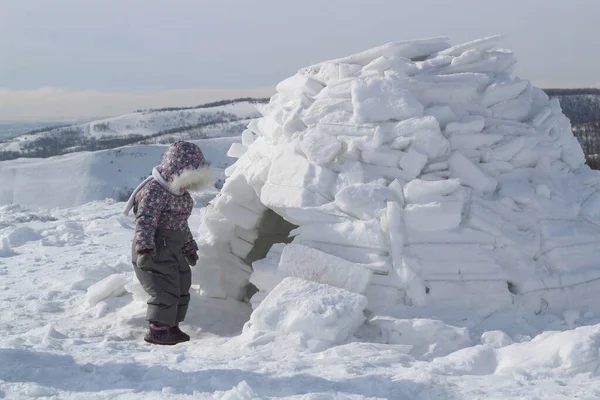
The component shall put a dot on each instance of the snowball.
(469, 174)
(111, 286)
(316, 266)
(436, 216)
(316, 310)
(376, 99)
(419, 191)
(413, 162)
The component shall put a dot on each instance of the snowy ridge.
(455, 184)
(137, 126)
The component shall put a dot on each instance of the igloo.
(420, 174)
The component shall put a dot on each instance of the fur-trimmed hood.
(183, 166)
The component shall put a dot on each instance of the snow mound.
(567, 353)
(316, 311)
(458, 186)
(428, 338)
(22, 235)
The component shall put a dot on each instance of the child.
(163, 247)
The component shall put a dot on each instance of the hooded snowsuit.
(162, 206)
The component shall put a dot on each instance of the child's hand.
(142, 257)
(191, 259)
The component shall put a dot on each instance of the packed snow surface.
(72, 321)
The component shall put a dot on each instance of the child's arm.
(149, 209)
(190, 247)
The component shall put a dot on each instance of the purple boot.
(160, 334)
(179, 335)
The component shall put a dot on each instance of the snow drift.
(79, 178)
(426, 172)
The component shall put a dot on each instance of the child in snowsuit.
(163, 246)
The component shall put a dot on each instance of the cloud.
(57, 104)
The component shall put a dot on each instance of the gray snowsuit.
(162, 206)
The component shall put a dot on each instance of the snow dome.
(418, 174)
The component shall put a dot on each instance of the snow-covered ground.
(452, 319)
(69, 331)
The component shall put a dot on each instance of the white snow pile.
(322, 315)
(418, 174)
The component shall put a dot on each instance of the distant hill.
(219, 119)
(582, 107)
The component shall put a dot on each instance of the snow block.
(413, 162)
(313, 265)
(312, 309)
(111, 286)
(295, 182)
(420, 191)
(469, 174)
(319, 147)
(359, 234)
(364, 201)
(380, 100)
(437, 216)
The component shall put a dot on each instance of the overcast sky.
(62, 59)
